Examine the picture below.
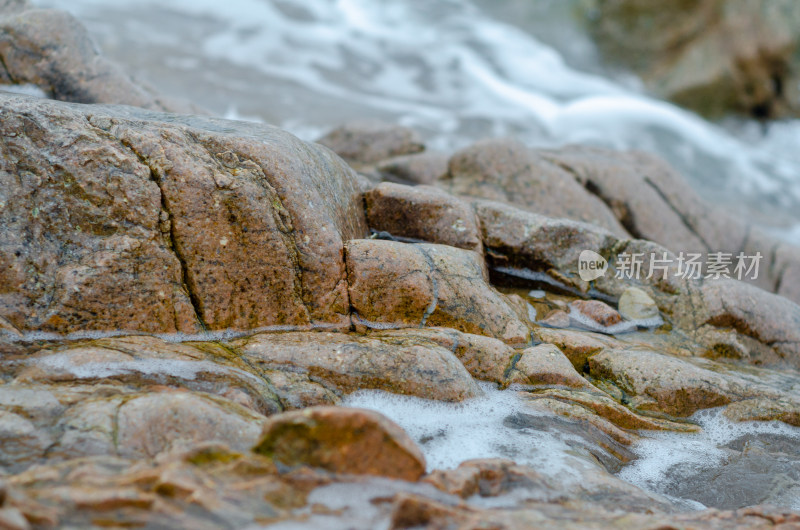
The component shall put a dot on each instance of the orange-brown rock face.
(405, 285)
(422, 213)
(133, 223)
(355, 441)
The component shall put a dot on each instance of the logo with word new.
(591, 265)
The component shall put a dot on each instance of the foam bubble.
(450, 433)
(668, 457)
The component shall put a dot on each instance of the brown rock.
(764, 409)
(422, 213)
(516, 239)
(140, 362)
(52, 50)
(168, 227)
(506, 170)
(367, 142)
(420, 168)
(21, 442)
(348, 363)
(596, 311)
(556, 319)
(546, 365)
(422, 285)
(714, 56)
(668, 384)
(154, 423)
(342, 440)
(651, 199)
(484, 357)
(578, 346)
(770, 319)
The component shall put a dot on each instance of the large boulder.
(713, 56)
(118, 218)
(52, 50)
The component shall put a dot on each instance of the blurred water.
(457, 70)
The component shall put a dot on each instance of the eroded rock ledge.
(233, 284)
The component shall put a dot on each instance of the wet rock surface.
(213, 324)
(348, 441)
(167, 243)
(400, 285)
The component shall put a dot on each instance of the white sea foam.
(25, 89)
(663, 454)
(625, 326)
(451, 433)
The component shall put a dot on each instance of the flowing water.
(460, 70)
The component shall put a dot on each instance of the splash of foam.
(450, 433)
(663, 454)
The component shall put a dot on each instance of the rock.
(506, 170)
(348, 363)
(521, 242)
(578, 346)
(400, 285)
(582, 414)
(364, 143)
(635, 304)
(484, 357)
(140, 362)
(52, 50)
(556, 319)
(769, 319)
(654, 202)
(498, 478)
(58, 422)
(764, 409)
(167, 227)
(422, 213)
(713, 56)
(8, 7)
(546, 365)
(667, 384)
(22, 443)
(650, 199)
(600, 405)
(419, 168)
(596, 311)
(340, 440)
(151, 424)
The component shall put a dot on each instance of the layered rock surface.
(184, 301)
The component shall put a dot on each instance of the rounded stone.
(635, 304)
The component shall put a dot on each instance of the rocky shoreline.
(187, 302)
